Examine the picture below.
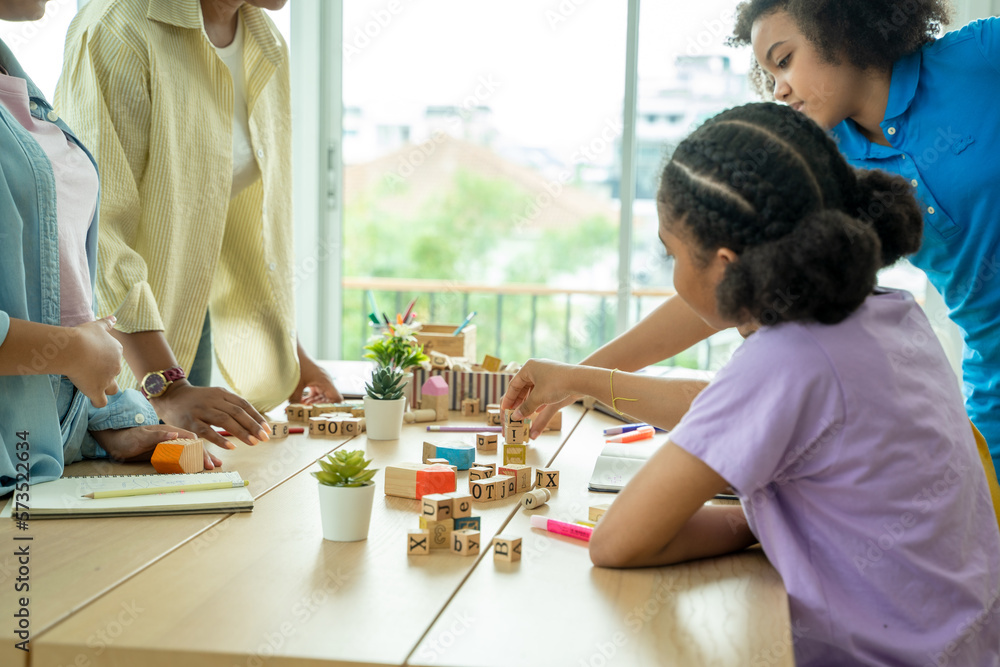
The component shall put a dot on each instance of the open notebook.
(63, 498)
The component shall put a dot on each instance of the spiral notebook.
(63, 498)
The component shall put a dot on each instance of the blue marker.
(464, 324)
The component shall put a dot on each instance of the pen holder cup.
(439, 338)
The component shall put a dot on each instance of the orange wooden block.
(177, 456)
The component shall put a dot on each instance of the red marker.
(639, 434)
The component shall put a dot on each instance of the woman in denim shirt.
(58, 398)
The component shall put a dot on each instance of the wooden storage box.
(439, 338)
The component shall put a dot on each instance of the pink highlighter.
(562, 528)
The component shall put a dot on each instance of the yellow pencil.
(118, 493)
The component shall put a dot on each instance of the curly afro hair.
(810, 231)
(867, 33)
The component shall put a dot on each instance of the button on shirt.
(941, 122)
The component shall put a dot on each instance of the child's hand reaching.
(538, 384)
(138, 443)
(95, 360)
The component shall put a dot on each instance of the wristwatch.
(157, 382)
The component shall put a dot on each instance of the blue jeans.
(201, 369)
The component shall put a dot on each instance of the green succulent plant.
(396, 347)
(345, 469)
(386, 384)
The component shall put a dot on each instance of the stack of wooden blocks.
(333, 424)
(446, 522)
(301, 413)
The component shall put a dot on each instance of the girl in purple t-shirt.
(839, 423)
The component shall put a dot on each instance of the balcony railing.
(514, 321)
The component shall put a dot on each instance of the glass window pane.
(686, 75)
(480, 149)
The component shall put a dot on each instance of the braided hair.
(810, 231)
(867, 33)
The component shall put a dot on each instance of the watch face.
(154, 384)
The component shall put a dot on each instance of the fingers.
(98, 400)
(205, 431)
(112, 389)
(544, 415)
(108, 322)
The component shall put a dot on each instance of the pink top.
(76, 200)
(435, 386)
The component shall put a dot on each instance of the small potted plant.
(346, 493)
(385, 404)
(397, 347)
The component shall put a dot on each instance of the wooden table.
(265, 589)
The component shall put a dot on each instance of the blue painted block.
(457, 454)
(467, 522)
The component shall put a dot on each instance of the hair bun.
(821, 271)
(885, 202)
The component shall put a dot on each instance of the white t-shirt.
(245, 169)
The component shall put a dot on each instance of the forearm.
(655, 400)
(667, 331)
(714, 530)
(31, 348)
(146, 352)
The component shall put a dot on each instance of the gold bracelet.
(613, 399)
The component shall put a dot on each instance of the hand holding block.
(461, 504)
(279, 429)
(520, 472)
(418, 543)
(440, 532)
(506, 549)
(436, 506)
(465, 542)
(515, 454)
(177, 456)
(416, 480)
(470, 407)
(546, 478)
(486, 442)
(458, 453)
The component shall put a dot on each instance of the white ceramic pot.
(345, 511)
(384, 419)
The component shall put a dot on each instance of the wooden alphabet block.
(350, 426)
(458, 454)
(470, 407)
(440, 361)
(357, 412)
(520, 472)
(479, 473)
(507, 549)
(486, 442)
(418, 543)
(177, 456)
(461, 504)
(546, 478)
(491, 466)
(515, 454)
(491, 364)
(597, 511)
(321, 427)
(506, 486)
(416, 480)
(471, 522)
(465, 542)
(317, 409)
(483, 490)
(279, 429)
(436, 506)
(296, 412)
(440, 532)
(493, 418)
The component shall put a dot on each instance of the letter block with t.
(546, 478)
(507, 549)
(177, 456)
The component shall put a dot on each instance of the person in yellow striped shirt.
(187, 108)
